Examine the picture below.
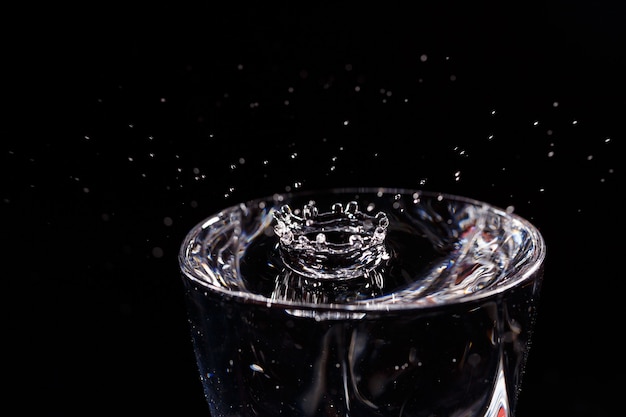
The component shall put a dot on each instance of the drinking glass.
(363, 302)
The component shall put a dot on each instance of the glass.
(362, 302)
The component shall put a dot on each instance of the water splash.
(420, 249)
(340, 244)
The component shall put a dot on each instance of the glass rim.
(529, 269)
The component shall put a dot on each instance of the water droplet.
(256, 368)
(157, 252)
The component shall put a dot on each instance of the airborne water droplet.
(256, 368)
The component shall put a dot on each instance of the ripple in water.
(433, 250)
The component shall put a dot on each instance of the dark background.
(127, 125)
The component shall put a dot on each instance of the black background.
(127, 125)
